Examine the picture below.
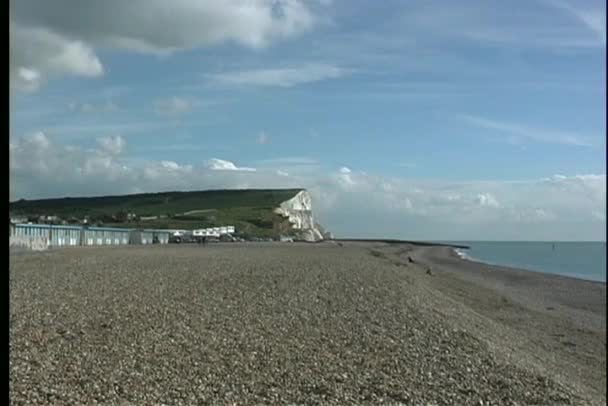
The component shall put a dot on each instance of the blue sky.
(474, 109)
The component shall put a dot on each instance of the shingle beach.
(298, 324)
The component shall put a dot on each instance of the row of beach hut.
(63, 235)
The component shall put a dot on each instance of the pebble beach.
(331, 323)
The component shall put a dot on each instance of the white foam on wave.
(462, 254)
(465, 256)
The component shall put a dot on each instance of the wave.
(463, 255)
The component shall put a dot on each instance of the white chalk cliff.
(298, 210)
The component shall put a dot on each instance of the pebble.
(180, 325)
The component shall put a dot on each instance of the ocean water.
(583, 260)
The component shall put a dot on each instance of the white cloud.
(281, 77)
(38, 140)
(263, 138)
(194, 23)
(59, 37)
(40, 167)
(572, 188)
(216, 164)
(345, 178)
(170, 165)
(173, 106)
(348, 202)
(487, 200)
(517, 131)
(282, 173)
(37, 54)
(27, 79)
(164, 172)
(543, 214)
(112, 145)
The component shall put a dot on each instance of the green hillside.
(249, 210)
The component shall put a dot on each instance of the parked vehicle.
(177, 237)
(204, 235)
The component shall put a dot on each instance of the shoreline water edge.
(589, 266)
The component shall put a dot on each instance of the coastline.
(276, 323)
(460, 252)
(555, 322)
(396, 241)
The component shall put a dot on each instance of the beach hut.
(105, 236)
(61, 236)
(140, 237)
(46, 234)
(32, 236)
(160, 236)
(92, 236)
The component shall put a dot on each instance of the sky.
(425, 119)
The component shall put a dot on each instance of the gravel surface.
(265, 323)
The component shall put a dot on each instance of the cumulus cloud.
(349, 203)
(165, 171)
(194, 23)
(281, 77)
(216, 164)
(59, 37)
(170, 165)
(345, 178)
(38, 53)
(25, 79)
(173, 106)
(40, 167)
(487, 200)
(112, 144)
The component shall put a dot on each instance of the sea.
(582, 260)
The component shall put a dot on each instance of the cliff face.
(298, 210)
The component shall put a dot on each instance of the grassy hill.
(249, 210)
